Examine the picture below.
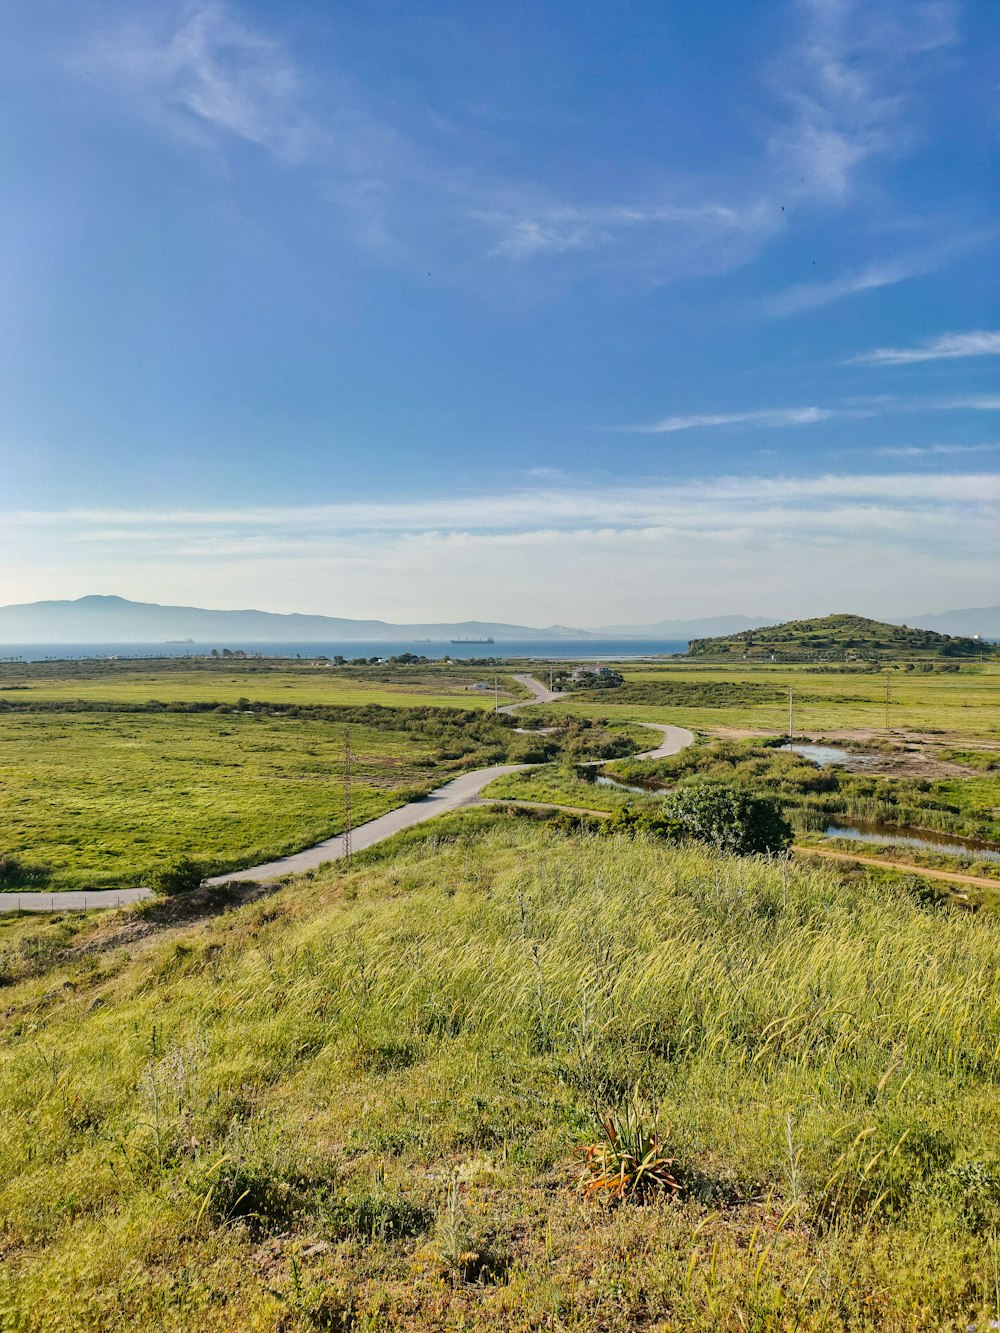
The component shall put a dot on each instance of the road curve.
(538, 690)
(453, 795)
(674, 740)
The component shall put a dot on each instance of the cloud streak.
(779, 545)
(811, 415)
(684, 504)
(770, 416)
(946, 347)
(810, 295)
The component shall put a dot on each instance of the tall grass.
(432, 1038)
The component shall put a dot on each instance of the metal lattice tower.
(347, 797)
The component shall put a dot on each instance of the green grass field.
(561, 786)
(101, 796)
(362, 1103)
(104, 798)
(960, 706)
(287, 680)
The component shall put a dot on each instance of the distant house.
(584, 674)
(482, 685)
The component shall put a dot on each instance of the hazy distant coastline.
(115, 624)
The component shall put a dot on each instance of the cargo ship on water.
(489, 640)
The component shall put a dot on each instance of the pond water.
(827, 755)
(889, 835)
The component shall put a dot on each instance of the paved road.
(541, 694)
(674, 740)
(452, 796)
(54, 902)
(459, 792)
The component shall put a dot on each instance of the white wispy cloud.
(771, 416)
(841, 82)
(810, 295)
(808, 416)
(208, 75)
(556, 228)
(978, 342)
(789, 542)
(930, 450)
(971, 402)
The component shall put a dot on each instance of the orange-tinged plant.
(631, 1163)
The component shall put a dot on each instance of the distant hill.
(682, 629)
(983, 621)
(834, 638)
(115, 620)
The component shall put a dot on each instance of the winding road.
(453, 795)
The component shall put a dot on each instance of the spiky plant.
(630, 1162)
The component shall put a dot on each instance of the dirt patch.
(902, 755)
(129, 926)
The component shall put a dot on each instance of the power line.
(347, 797)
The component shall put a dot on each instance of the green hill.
(836, 638)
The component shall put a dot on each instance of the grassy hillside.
(361, 1103)
(836, 638)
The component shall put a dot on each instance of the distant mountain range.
(114, 620)
(983, 621)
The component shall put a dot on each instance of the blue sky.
(580, 312)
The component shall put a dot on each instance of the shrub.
(18, 874)
(180, 876)
(729, 819)
(658, 823)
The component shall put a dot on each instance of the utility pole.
(347, 797)
(550, 678)
(496, 695)
(790, 729)
(888, 699)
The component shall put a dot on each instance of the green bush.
(180, 876)
(633, 819)
(18, 874)
(729, 819)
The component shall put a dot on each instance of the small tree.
(180, 876)
(730, 819)
(18, 874)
